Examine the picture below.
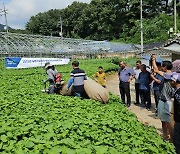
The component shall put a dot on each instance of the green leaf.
(84, 151)
(29, 144)
(101, 149)
(9, 134)
(68, 141)
(4, 138)
(55, 150)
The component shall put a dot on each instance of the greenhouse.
(36, 45)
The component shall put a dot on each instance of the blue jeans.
(77, 94)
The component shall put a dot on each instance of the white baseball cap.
(175, 77)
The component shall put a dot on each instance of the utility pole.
(4, 11)
(61, 32)
(141, 18)
(175, 13)
(5, 14)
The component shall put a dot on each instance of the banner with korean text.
(17, 62)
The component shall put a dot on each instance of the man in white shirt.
(137, 70)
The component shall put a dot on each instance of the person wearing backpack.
(54, 78)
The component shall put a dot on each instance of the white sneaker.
(45, 90)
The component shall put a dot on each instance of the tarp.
(63, 91)
(93, 90)
(17, 62)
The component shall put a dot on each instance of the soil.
(146, 117)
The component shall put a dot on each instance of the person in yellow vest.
(100, 77)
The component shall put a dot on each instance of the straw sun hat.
(47, 65)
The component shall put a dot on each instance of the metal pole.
(175, 24)
(5, 14)
(141, 18)
(61, 31)
(61, 27)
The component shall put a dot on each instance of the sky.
(20, 11)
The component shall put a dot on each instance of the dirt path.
(144, 116)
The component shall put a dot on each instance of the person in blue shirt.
(144, 87)
(125, 75)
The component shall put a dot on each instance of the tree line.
(113, 20)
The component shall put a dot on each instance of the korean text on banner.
(16, 62)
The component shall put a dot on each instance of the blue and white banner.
(16, 62)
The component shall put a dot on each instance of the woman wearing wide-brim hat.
(51, 72)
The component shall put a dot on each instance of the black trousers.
(145, 98)
(156, 97)
(51, 88)
(124, 88)
(137, 92)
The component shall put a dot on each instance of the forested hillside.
(116, 20)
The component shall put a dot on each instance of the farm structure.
(169, 50)
(25, 45)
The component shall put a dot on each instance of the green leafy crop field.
(35, 122)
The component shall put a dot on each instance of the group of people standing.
(165, 85)
(142, 77)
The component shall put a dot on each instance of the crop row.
(34, 122)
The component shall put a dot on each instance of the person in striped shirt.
(77, 78)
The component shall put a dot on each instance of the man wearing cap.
(175, 83)
(164, 105)
(51, 72)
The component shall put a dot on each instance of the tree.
(155, 29)
(106, 20)
(44, 23)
